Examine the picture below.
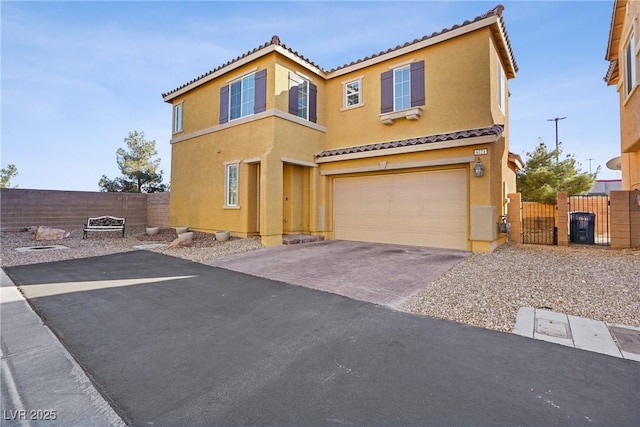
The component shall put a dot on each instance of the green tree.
(138, 166)
(6, 174)
(543, 176)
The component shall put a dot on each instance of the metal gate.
(589, 220)
(539, 223)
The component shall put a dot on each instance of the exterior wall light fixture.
(478, 169)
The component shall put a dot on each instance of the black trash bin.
(582, 228)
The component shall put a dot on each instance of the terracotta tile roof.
(493, 130)
(275, 40)
(496, 11)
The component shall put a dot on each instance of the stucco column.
(563, 218)
(271, 175)
(515, 217)
(620, 220)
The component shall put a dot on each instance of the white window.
(630, 72)
(353, 93)
(231, 185)
(502, 89)
(303, 100)
(242, 97)
(401, 88)
(177, 118)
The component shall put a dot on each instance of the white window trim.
(395, 110)
(298, 79)
(344, 94)
(239, 79)
(227, 165)
(177, 106)
(502, 89)
(631, 38)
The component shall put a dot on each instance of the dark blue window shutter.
(386, 92)
(313, 102)
(417, 84)
(224, 104)
(260, 99)
(293, 100)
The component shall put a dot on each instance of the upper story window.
(402, 88)
(177, 118)
(243, 97)
(353, 93)
(502, 89)
(630, 72)
(303, 97)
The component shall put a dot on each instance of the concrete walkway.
(578, 332)
(41, 383)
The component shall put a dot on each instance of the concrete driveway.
(171, 342)
(373, 272)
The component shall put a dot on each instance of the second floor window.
(241, 97)
(502, 92)
(630, 75)
(352, 93)
(402, 88)
(303, 97)
(177, 118)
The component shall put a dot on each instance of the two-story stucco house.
(407, 146)
(623, 54)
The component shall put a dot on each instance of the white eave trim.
(298, 162)
(463, 142)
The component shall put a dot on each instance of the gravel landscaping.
(484, 290)
(103, 243)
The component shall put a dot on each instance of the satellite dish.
(615, 163)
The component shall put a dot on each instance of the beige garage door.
(421, 209)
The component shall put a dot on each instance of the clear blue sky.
(78, 76)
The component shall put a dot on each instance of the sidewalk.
(41, 383)
(586, 334)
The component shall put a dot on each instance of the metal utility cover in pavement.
(553, 328)
(628, 339)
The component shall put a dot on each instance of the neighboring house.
(605, 186)
(623, 53)
(383, 149)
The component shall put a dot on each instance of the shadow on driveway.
(207, 346)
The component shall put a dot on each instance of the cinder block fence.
(21, 208)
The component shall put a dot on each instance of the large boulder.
(48, 233)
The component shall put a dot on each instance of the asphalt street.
(171, 342)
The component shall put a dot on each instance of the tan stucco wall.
(457, 94)
(630, 104)
(280, 188)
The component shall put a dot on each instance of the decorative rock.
(48, 233)
(180, 242)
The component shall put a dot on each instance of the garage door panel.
(423, 209)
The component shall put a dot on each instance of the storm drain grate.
(41, 248)
(628, 339)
